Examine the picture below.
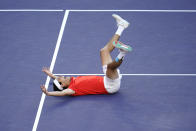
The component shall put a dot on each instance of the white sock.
(120, 56)
(120, 30)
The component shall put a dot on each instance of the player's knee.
(103, 50)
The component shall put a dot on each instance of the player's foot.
(120, 21)
(121, 46)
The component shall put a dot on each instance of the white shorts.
(112, 86)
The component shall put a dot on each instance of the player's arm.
(65, 92)
(48, 72)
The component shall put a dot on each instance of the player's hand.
(46, 70)
(44, 89)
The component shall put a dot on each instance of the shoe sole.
(122, 46)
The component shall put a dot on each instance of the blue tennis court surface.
(27, 43)
(163, 43)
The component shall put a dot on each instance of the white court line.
(56, 10)
(28, 10)
(130, 74)
(182, 11)
(51, 69)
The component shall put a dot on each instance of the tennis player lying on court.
(85, 85)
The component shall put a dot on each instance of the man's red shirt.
(85, 85)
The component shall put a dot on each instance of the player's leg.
(112, 68)
(107, 49)
(106, 58)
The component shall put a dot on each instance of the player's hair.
(55, 88)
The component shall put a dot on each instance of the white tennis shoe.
(120, 21)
